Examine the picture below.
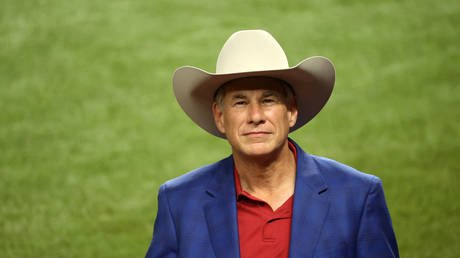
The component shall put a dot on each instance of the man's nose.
(255, 114)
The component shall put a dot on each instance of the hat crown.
(251, 50)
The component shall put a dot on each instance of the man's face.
(255, 115)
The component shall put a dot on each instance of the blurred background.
(89, 126)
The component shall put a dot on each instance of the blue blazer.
(338, 212)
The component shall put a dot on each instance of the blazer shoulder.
(197, 178)
(339, 173)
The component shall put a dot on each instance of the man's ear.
(218, 117)
(292, 114)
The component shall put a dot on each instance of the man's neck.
(270, 178)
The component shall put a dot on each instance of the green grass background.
(89, 126)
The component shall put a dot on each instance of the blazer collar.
(220, 211)
(311, 206)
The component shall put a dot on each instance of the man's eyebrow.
(269, 94)
(238, 96)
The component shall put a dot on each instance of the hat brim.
(312, 81)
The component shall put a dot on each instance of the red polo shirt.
(263, 232)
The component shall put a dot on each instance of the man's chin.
(261, 149)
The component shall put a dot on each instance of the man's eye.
(240, 103)
(268, 101)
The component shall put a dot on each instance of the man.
(269, 198)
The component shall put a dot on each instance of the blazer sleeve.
(376, 237)
(164, 241)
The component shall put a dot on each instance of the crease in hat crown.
(251, 50)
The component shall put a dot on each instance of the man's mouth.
(257, 133)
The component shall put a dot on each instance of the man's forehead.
(235, 94)
(264, 84)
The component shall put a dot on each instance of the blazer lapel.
(220, 212)
(310, 209)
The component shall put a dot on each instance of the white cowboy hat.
(252, 53)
